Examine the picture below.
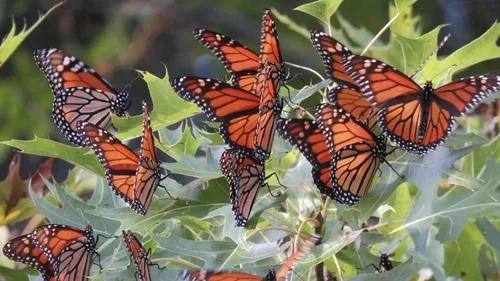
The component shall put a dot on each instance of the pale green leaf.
(322, 9)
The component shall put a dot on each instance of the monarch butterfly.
(417, 119)
(138, 254)
(245, 175)
(385, 264)
(237, 110)
(282, 274)
(80, 94)
(238, 60)
(23, 249)
(308, 138)
(59, 252)
(243, 63)
(355, 152)
(347, 95)
(132, 178)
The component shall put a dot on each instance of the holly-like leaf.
(78, 156)
(167, 109)
(322, 9)
(13, 40)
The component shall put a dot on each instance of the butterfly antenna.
(439, 46)
(278, 180)
(129, 85)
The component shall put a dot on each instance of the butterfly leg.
(278, 180)
(164, 188)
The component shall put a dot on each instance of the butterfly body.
(416, 118)
(80, 93)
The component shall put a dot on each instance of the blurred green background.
(115, 37)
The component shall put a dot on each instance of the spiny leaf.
(78, 156)
(12, 41)
(191, 166)
(168, 108)
(322, 9)
(179, 142)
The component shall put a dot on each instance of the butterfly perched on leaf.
(58, 252)
(240, 112)
(416, 118)
(138, 255)
(344, 152)
(347, 93)
(242, 63)
(80, 94)
(282, 274)
(133, 178)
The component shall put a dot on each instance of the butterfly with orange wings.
(58, 252)
(133, 178)
(80, 94)
(247, 120)
(344, 162)
(245, 175)
(242, 63)
(347, 94)
(416, 118)
(261, 76)
(138, 255)
(282, 274)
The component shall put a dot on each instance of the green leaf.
(78, 156)
(168, 108)
(179, 142)
(322, 9)
(191, 166)
(403, 272)
(12, 41)
(292, 25)
(492, 236)
(401, 5)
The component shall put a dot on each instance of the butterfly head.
(271, 275)
(121, 104)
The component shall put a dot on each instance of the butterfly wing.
(238, 60)
(23, 249)
(245, 175)
(352, 101)
(74, 262)
(64, 72)
(282, 274)
(138, 255)
(451, 101)
(401, 114)
(306, 136)
(237, 109)
(148, 171)
(269, 113)
(356, 152)
(332, 52)
(119, 162)
(81, 104)
(270, 46)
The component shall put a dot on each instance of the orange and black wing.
(332, 52)
(282, 274)
(269, 113)
(306, 136)
(401, 113)
(270, 45)
(119, 162)
(70, 250)
(23, 249)
(65, 72)
(451, 101)
(237, 109)
(238, 60)
(148, 171)
(356, 152)
(84, 105)
(352, 101)
(138, 255)
(204, 275)
(245, 175)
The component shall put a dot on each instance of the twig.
(380, 34)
